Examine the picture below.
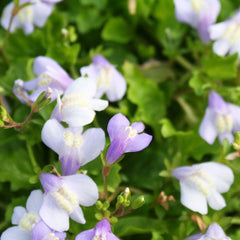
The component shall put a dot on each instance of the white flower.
(202, 184)
(78, 103)
(227, 36)
(25, 219)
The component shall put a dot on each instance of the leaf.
(197, 83)
(117, 30)
(218, 67)
(137, 225)
(146, 95)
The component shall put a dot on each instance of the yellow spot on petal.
(72, 140)
(44, 79)
(66, 199)
(25, 14)
(76, 99)
(105, 77)
(232, 33)
(28, 221)
(132, 132)
(224, 123)
(198, 5)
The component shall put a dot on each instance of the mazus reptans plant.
(102, 231)
(109, 81)
(74, 148)
(221, 119)
(125, 137)
(78, 105)
(200, 14)
(226, 36)
(62, 198)
(203, 183)
(50, 75)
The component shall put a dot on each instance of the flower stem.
(105, 172)
(35, 165)
(184, 63)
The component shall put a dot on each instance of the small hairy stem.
(105, 172)
(184, 63)
(123, 213)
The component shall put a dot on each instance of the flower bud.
(138, 202)
(99, 205)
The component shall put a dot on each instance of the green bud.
(126, 203)
(42, 100)
(107, 214)
(127, 194)
(4, 113)
(99, 216)
(138, 202)
(99, 205)
(106, 206)
(113, 220)
(237, 138)
(34, 179)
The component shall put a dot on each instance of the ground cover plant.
(119, 119)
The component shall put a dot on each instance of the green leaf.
(96, 3)
(117, 30)
(197, 83)
(137, 225)
(146, 95)
(218, 67)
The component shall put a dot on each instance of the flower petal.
(84, 187)
(18, 213)
(117, 87)
(16, 233)
(235, 113)
(183, 172)
(111, 236)
(216, 201)
(34, 201)
(208, 130)
(117, 124)
(221, 175)
(192, 198)
(86, 235)
(221, 47)
(54, 216)
(215, 231)
(217, 103)
(53, 135)
(226, 135)
(93, 144)
(138, 126)
(138, 143)
(41, 11)
(98, 104)
(77, 215)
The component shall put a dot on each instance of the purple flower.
(74, 148)
(49, 75)
(220, 119)
(101, 231)
(25, 219)
(34, 14)
(78, 103)
(202, 183)
(62, 198)
(200, 14)
(42, 232)
(109, 80)
(125, 138)
(214, 232)
(227, 36)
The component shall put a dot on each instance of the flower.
(227, 36)
(200, 14)
(34, 14)
(42, 232)
(25, 219)
(125, 138)
(102, 231)
(220, 119)
(108, 79)
(214, 232)
(78, 103)
(74, 148)
(202, 183)
(62, 198)
(49, 75)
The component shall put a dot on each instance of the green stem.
(184, 63)
(35, 165)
